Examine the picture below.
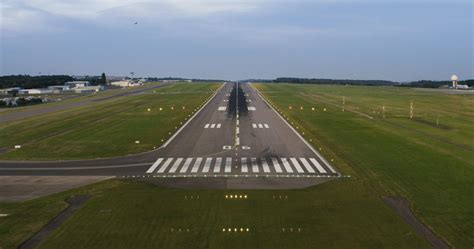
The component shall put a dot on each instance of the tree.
(103, 79)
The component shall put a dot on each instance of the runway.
(236, 134)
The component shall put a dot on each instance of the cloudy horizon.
(397, 40)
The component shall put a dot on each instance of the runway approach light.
(148, 109)
(17, 146)
(312, 109)
(161, 109)
(172, 108)
(324, 109)
(289, 107)
(137, 142)
(301, 108)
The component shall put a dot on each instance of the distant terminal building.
(77, 84)
(34, 91)
(126, 83)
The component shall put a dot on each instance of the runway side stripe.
(217, 165)
(153, 167)
(175, 165)
(196, 165)
(186, 165)
(307, 165)
(165, 165)
(286, 165)
(266, 169)
(318, 166)
(228, 165)
(276, 165)
(244, 165)
(297, 165)
(254, 165)
(207, 165)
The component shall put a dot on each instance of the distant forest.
(27, 81)
(435, 84)
(175, 78)
(335, 82)
(421, 83)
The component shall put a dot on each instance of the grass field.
(427, 159)
(126, 214)
(430, 165)
(107, 128)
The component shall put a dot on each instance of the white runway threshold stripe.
(154, 166)
(248, 165)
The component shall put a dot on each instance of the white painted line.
(286, 165)
(266, 169)
(254, 165)
(4, 215)
(293, 129)
(213, 125)
(153, 167)
(260, 126)
(207, 165)
(297, 165)
(237, 130)
(217, 165)
(245, 147)
(218, 126)
(228, 165)
(196, 165)
(254, 125)
(226, 147)
(192, 117)
(175, 165)
(307, 165)
(266, 126)
(222, 108)
(318, 166)
(165, 165)
(244, 165)
(251, 108)
(206, 126)
(186, 165)
(276, 165)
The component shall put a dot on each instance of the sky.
(399, 40)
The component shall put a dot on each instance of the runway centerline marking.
(222, 108)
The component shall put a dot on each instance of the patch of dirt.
(402, 208)
(75, 202)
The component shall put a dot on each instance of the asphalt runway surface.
(235, 135)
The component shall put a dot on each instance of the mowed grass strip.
(131, 214)
(106, 129)
(431, 165)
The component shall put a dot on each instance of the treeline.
(335, 82)
(435, 84)
(27, 81)
(182, 79)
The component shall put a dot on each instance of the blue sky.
(399, 40)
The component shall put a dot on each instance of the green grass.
(432, 166)
(105, 129)
(126, 214)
